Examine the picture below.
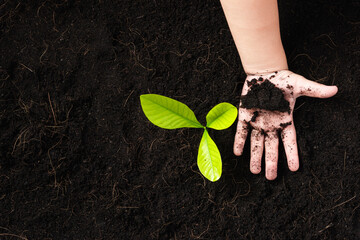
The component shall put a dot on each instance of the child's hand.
(266, 108)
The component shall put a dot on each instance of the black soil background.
(79, 160)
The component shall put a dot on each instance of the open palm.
(266, 109)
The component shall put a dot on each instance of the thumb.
(309, 88)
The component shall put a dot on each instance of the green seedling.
(168, 113)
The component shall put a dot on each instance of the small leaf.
(221, 116)
(168, 113)
(209, 159)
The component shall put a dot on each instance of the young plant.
(168, 113)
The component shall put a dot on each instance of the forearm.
(254, 25)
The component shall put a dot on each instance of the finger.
(240, 137)
(313, 89)
(257, 148)
(271, 155)
(288, 136)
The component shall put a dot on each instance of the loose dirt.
(265, 96)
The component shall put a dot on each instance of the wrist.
(270, 75)
(265, 69)
(265, 57)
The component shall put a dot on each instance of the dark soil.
(254, 116)
(265, 96)
(79, 160)
(283, 125)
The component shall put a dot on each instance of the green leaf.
(168, 113)
(221, 116)
(209, 159)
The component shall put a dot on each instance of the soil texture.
(79, 159)
(265, 96)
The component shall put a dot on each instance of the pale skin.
(268, 126)
(254, 25)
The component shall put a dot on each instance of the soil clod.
(265, 96)
(252, 82)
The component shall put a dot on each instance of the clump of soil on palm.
(265, 96)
